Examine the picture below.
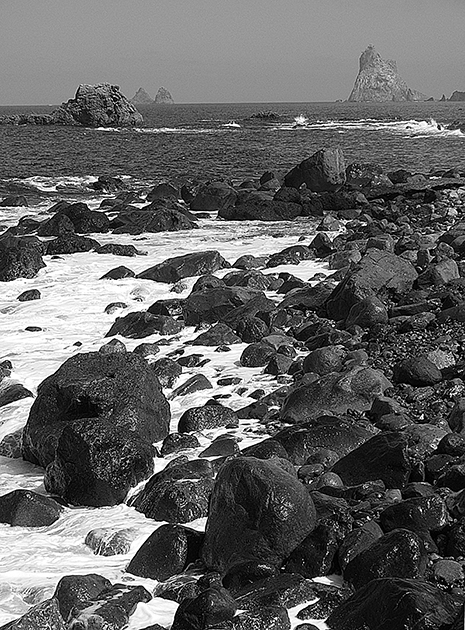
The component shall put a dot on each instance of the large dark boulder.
(384, 456)
(419, 514)
(262, 210)
(24, 508)
(85, 220)
(43, 616)
(335, 393)
(209, 609)
(195, 264)
(20, 257)
(323, 171)
(257, 511)
(400, 553)
(99, 105)
(57, 225)
(325, 432)
(207, 417)
(396, 604)
(178, 494)
(71, 244)
(214, 196)
(96, 417)
(140, 324)
(378, 274)
(213, 305)
(154, 220)
(166, 552)
(76, 590)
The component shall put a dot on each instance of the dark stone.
(292, 255)
(455, 546)
(213, 305)
(193, 384)
(258, 305)
(323, 171)
(395, 604)
(384, 456)
(71, 244)
(107, 541)
(27, 296)
(23, 508)
(10, 391)
(75, 590)
(251, 329)
(178, 494)
(246, 516)
(20, 257)
(283, 589)
(325, 360)
(222, 446)
(218, 335)
(268, 618)
(358, 540)
(214, 197)
(116, 249)
(151, 220)
(166, 552)
(207, 281)
(335, 392)
(171, 307)
(167, 371)
(209, 609)
(400, 553)
(251, 278)
(207, 417)
(165, 190)
(43, 616)
(256, 209)
(118, 272)
(84, 220)
(257, 355)
(308, 298)
(419, 514)
(175, 442)
(146, 349)
(140, 324)
(418, 371)
(195, 264)
(329, 598)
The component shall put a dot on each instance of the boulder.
(71, 244)
(20, 257)
(155, 220)
(109, 541)
(323, 171)
(396, 604)
(213, 305)
(85, 220)
(207, 417)
(195, 264)
(212, 608)
(218, 335)
(167, 371)
(166, 552)
(23, 508)
(257, 511)
(400, 553)
(262, 210)
(100, 105)
(379, 274)
(384, 456)
(43, 616)
(335, 393)
(75, 590)
(140, 324)
(214, 197)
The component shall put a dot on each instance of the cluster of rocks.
(361, 470)
(162, 97)
(100, 105)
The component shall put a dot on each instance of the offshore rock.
(324, 171)
(100, 105)
(457, 96)
(378, 80)
(141, 98)
(163, 97)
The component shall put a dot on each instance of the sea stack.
(379, 81)
(457, 96)
(141, 98)
(163, 97)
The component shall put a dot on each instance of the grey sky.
(224, 50)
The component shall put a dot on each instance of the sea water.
(177, 143)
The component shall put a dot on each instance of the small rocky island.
(163, 97)
(100, 105)
(457, 96)
(378, 80)
(141, 97)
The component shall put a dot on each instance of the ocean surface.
(176, 143)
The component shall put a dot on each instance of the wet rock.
(222, 446)
(252, 329)
(325, 360)
(176, 442)
(11, 444)
(323, 171)
(75, 590)
(384, 456)
(193, 384)
(358, 540)
(118, 250)
(292, 255)
(257, 355)
(329, 598)
(257, 511)
(27, 296)
(400, 553)
(23, 508)
(419, 514)
(213, 305)
(140, 324)
(85, 220)
(283, 589)
(167, 371)
(20, 257)
(209, 609)
(268, 618)
(207, 417)
(195, 264)
(417, 370)
(218, 335)
(118, 272)
(259, 209)
(11, 391)
(71, 244)
(166, 552)
(395, 604)
(153, 221)
(106, 541)
(214, 197)
(334, 392)
(43, 616)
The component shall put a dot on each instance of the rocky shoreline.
(361, 472)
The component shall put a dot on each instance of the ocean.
(176, 143)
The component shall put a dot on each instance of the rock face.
(457, 96)
(101, 105)
(163, 97)
(141, 98)
(378, 80)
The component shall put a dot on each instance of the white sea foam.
(71, 310)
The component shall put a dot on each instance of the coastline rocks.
(323, 171)
(163, 97)
(195, 264)
(155, 220)
(216, 304)
(207, 417)
(100, 105)
(257, 511)
(378, 80)
(94, 421)
(213, 197)
(43, 616)
(71, 244)
(20, 257)
(261, 210)
(140, 324)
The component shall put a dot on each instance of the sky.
(213, 51)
